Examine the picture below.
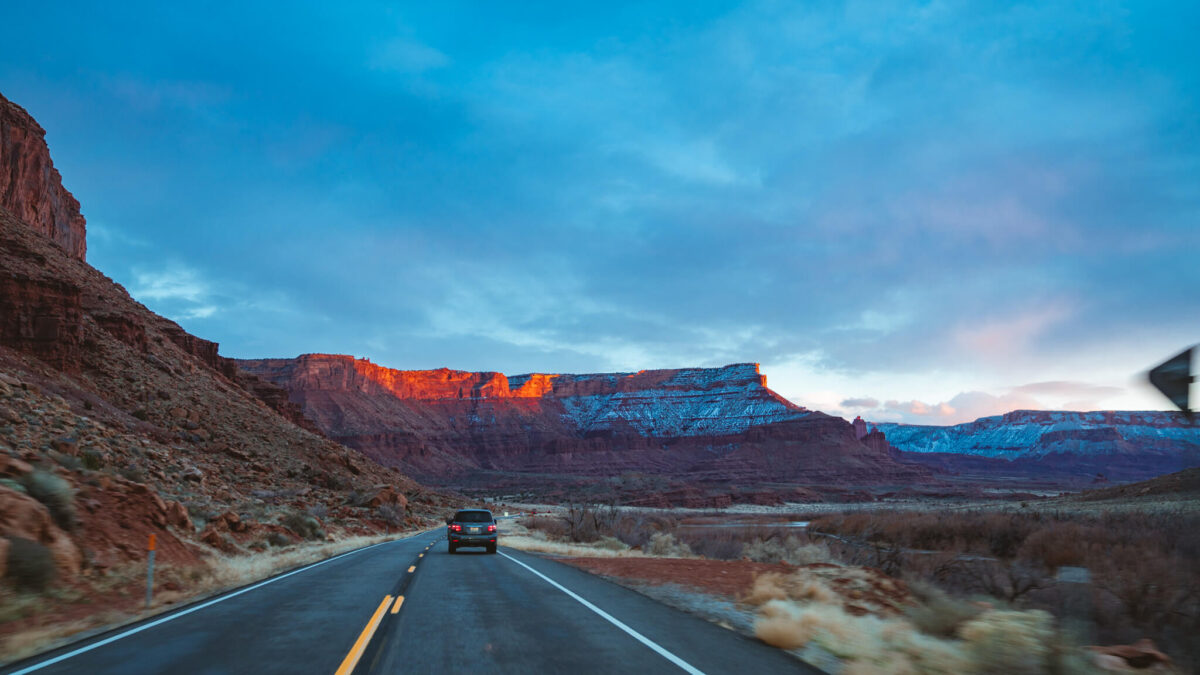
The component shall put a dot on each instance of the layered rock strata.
(31, 188)
(712, 424)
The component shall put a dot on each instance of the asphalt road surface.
(408, 606)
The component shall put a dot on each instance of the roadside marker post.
(150, 572)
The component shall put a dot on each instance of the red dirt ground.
(729, 578)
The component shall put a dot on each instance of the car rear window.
(473, 517)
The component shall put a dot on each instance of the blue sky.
(920, 212)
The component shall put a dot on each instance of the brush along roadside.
(843, 619)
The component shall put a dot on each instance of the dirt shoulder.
(729, 579)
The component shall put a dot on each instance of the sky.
(920, 212)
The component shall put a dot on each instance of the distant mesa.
(703, 423)
(1121, 445)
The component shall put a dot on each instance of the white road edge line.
(210, 603)
(684, 665)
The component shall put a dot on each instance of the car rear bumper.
(472, 540)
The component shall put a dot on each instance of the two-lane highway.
(409, 606)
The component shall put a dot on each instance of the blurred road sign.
(1174, 378)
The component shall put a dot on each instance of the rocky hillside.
(447, 426)
(1118, 445)
(115, 423)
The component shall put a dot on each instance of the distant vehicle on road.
(472, 527)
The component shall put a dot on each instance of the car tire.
(491, 549)
(451, 547)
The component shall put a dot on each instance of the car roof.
(474, 511)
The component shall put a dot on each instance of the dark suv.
(472, 527)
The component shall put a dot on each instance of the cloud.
(965, 406)
(951, 198)
(1002, 338)
(408, 56)
(173, 283)
(1069, 389)
(860, 403)
(920, 409)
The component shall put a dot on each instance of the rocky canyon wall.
(31, 188)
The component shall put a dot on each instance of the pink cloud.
(1011, 335)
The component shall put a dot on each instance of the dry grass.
(520, 536)
(792, 550)
(1144, 565)
(995, 641)
(226, 571)
(541, 535)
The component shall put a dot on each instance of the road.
(505, 613)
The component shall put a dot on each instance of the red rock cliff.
(714, 424)
(30, 187)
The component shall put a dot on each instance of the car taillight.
(491, 528)
(456, 528)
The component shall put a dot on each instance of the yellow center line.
(364, 639)
(399, 601)
(411, 569)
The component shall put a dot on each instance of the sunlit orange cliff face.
(317, 372)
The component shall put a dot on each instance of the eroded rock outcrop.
(30, 187)
(25, 517)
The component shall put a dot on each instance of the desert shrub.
(278, 539)
(92, 458)
(13, 484)
(1145, 565)
(133, 472)
(587, 524)
(1009, 641)
(799, 586)
(55, 492)
(1008, 580)
(611, 544)
(30, 565)
(318, 511)
(723, 543)
(791, 550)
(304, 525)
(390, 514)
(636, 530)
(357, 498)
(553, 528)
(665, 544)
(68, 462)
(938, 614)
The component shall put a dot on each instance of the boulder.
(11, 467)
(228, 522)
(1141, 654)
(24, 516)
(388, 496)
(177, 516)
